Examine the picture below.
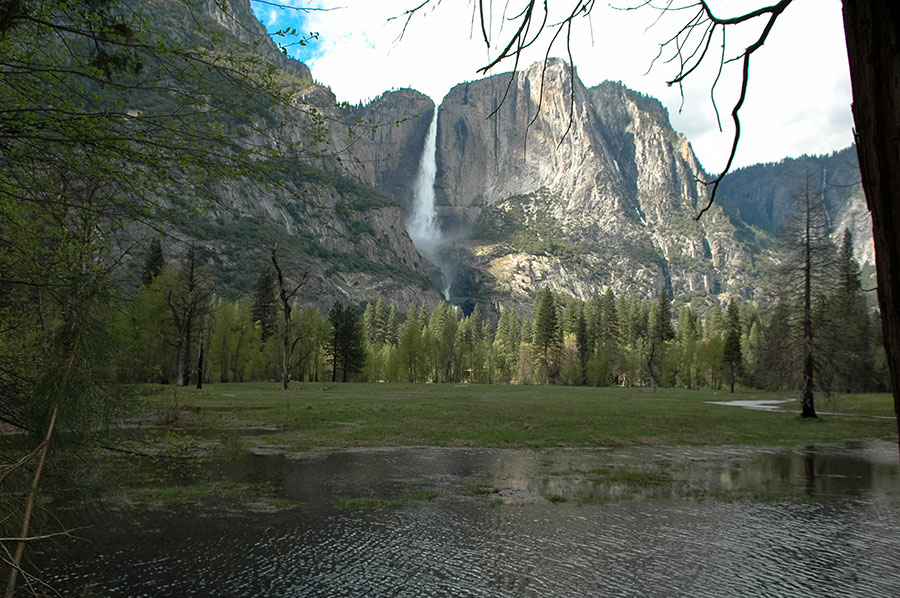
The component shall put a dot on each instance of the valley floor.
(324, 415)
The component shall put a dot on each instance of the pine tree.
(846, 336)
(507, 344)
(154, 263)
(659, 332)
(380, 331)
(806, 281)
(336, 317)
(264, 306)
(731, 354)
(392, 328)
(368, 324)
(547, 334)
(686, 337)
(583, 343)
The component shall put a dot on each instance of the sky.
(798, 98)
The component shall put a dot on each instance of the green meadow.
(321, 416)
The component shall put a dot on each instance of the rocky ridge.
(541, 182)
(578, 189)
(332, 209)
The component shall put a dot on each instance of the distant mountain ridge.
(760, 195)
(581, 196)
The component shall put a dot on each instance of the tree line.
(176, 330)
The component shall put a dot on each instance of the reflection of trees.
(809, 469)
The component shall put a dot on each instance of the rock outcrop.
(761, 196)
(544, 182)
(540, 182)
(335, 204)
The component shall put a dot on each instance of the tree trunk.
(286, 353)
(16, 563)
(200, 365)
(872, 29)
(186, 356)
(807, 407)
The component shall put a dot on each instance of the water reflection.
(691, 522)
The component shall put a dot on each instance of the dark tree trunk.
(807, 407)
(186, 356)
(289, 342)
(200, 365)
(872, 28)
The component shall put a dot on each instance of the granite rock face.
(542, 181)
(762, 195)
(335, 207)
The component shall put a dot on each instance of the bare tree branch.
(690, 47)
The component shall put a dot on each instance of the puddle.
(761, 405)
(707, 521)
(775, 405)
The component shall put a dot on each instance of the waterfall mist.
(422, 224)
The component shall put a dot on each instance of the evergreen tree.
(546, 335)
(336, 317)
(392, 328)
(804, 281)
(442, 328)
(583, 344)
(354, 357)
(573, 308)
(731, 353)
(347, 351)
(154, 263)
(264, 303)
(368, 324)
(686, 339)
(845, 335)
(381, 325)
(659, 332)
(507, 344)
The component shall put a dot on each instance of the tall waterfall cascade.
(422, 225)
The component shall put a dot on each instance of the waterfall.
(422, 225)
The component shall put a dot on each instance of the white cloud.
(798, 100)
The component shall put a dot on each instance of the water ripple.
(841, 537)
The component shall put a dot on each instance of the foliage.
(155, 262)
(346, 347)
(264, 303)
(114, 116)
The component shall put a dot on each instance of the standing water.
(423, 227)
(717, 522)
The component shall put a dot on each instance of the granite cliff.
(547, 182)
(540, 182)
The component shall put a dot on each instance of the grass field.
(333, 416)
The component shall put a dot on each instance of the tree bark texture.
(807, 407)
(872, 29)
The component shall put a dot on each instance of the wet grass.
(219, 495)
(628, 483)
(640, 478)
(332, 416)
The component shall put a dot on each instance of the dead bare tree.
(286, 294)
